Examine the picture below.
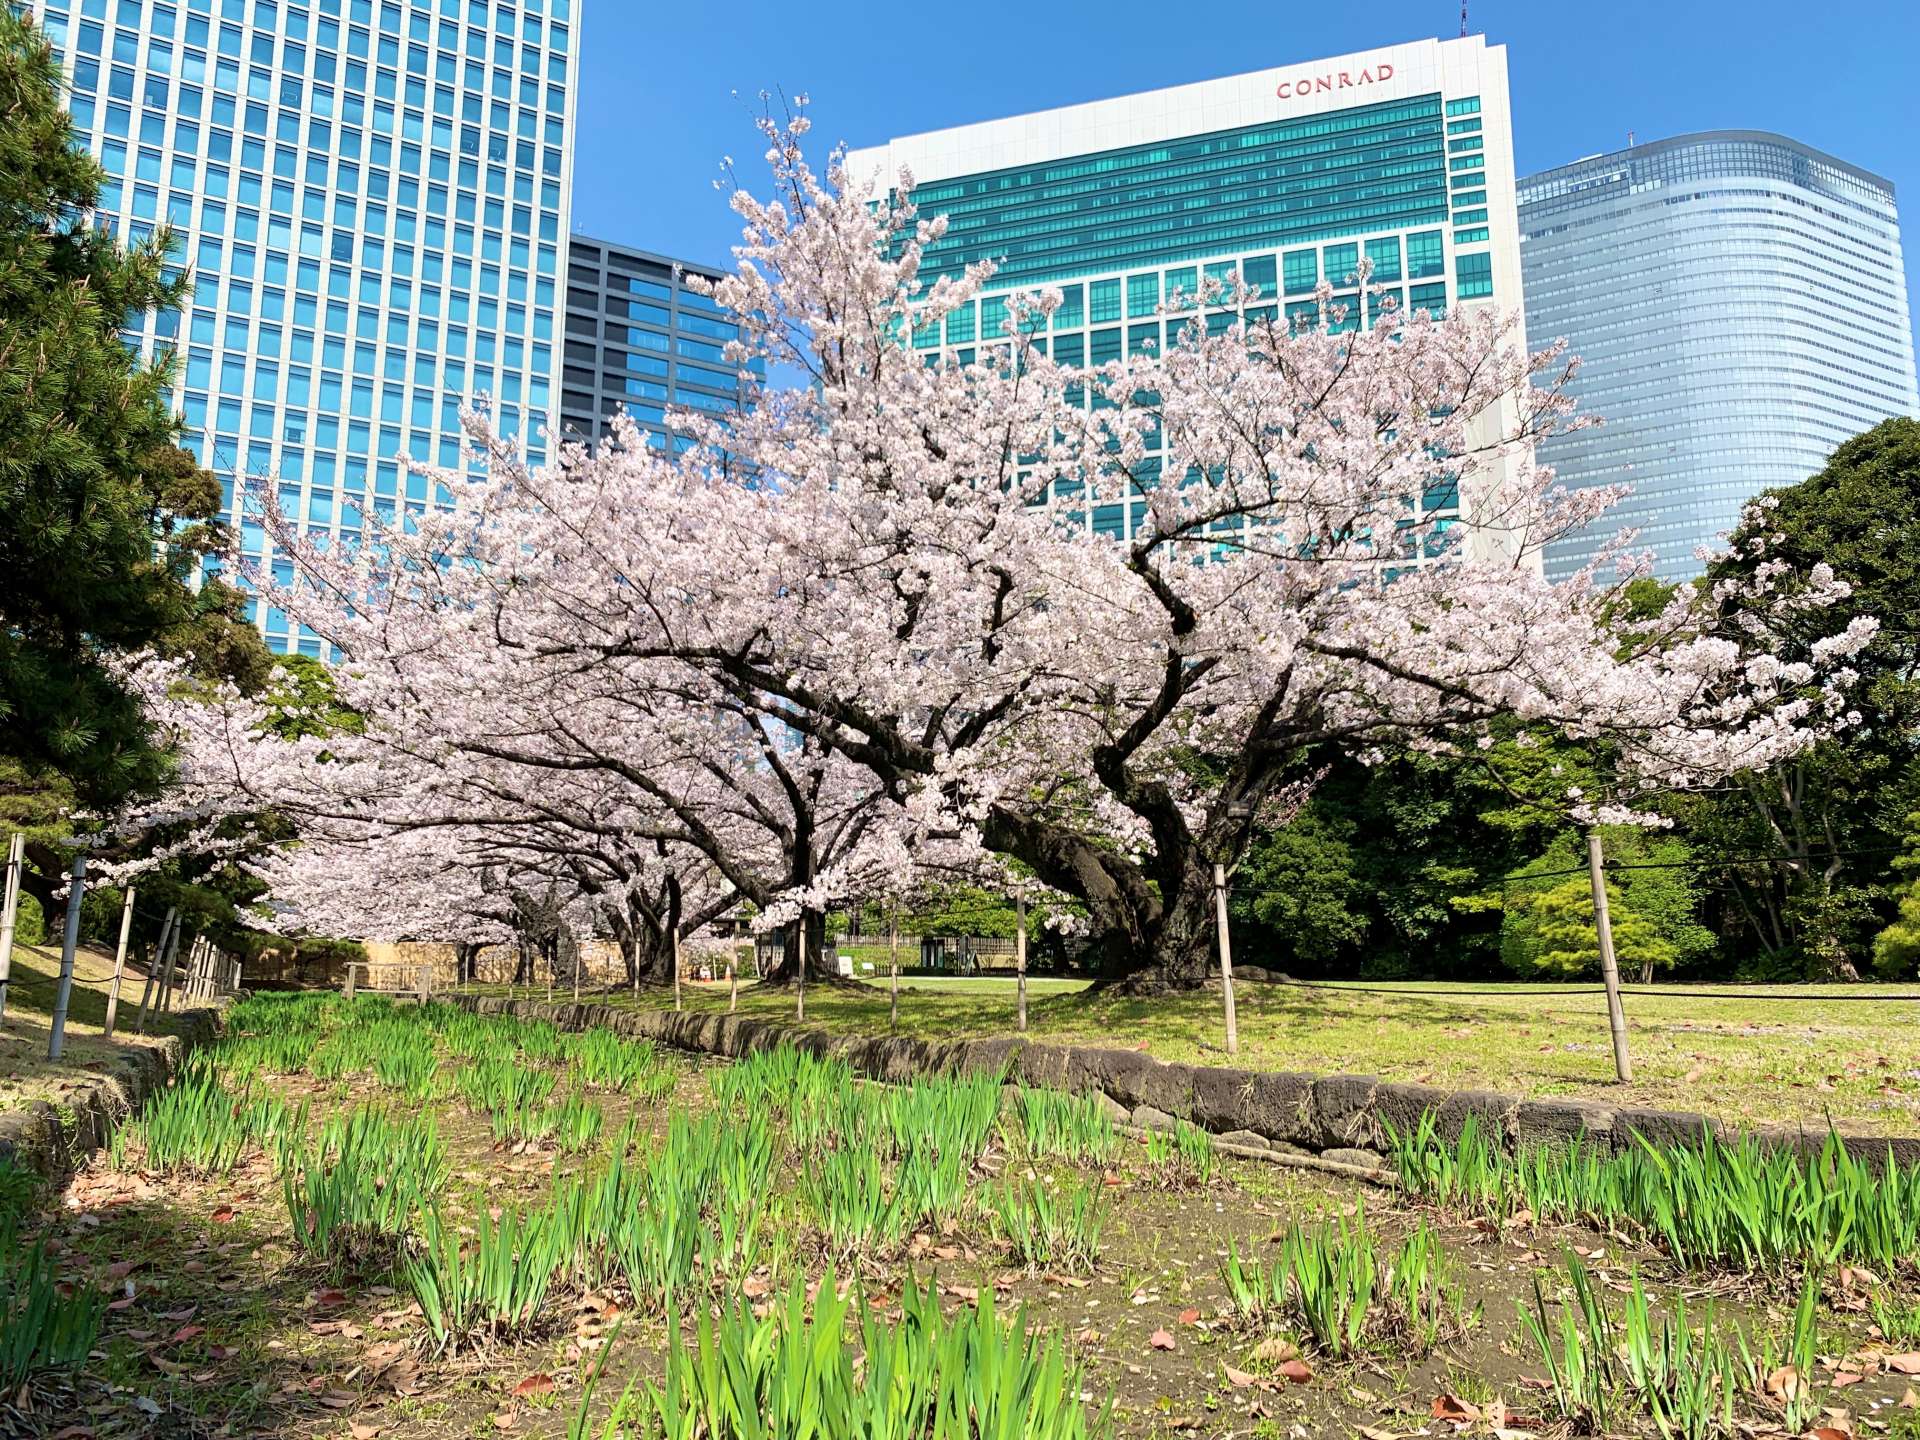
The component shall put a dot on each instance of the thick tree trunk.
(819, 963)
(1145, 937)
(466, 963)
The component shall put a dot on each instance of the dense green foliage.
(1896, 949)
(1547, 927)
(1455, 867)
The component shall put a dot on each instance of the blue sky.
(660, 106)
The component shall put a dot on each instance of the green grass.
(1734, 1204)
(1776, 1054)
(1338, 1286)
(793, 1373)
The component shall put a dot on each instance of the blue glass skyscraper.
(1739, 304)
(371, 198)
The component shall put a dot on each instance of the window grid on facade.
(1739, 304)
(371, 202)
(639, 340)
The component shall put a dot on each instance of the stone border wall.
(1341, 1118)
(52, 1138)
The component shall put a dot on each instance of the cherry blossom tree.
(867, 618)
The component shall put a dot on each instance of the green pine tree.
(103, 518)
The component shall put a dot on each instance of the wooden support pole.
(153, 969)
(151, 990)
(347, 989)
(1226, 956)
(10, 911)
(893, 965)
(119, 964)
(1020, 957)
(674, 941)
(733, 981)
(800, 969)
(1609, 970)
(163, 997)
(70, 942)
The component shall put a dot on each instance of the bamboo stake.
(76, 890)
(1609, 970)
(10, 912)
(1226, 956)
(1020, 957)
(119, 964)
(152, 988)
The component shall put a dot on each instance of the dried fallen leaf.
(359, 1430)
(1452, 1407)
(534, 1385)
(1907, 1363)
(223, 1216)
(1160, 1340)
(753, 1287)
(1297, 1371)
(1239, 1379)
(1189, 1317)
(1910, 1401)
(1275, 1349)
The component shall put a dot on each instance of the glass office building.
(639, 340)
(1740, 305)
(371, 199)
(1288, 175)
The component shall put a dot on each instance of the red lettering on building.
(1303, 85)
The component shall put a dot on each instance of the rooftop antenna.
(1463, 19)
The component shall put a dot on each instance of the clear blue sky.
(667, 90)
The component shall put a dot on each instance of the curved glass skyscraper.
(1740, 308)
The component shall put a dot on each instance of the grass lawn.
(1798, 1054)
(498, 1267)
(25, 1071)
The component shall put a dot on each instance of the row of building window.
(1298, 272)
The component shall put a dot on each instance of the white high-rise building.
(1288, 174)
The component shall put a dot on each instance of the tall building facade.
(1739, 304)
(639, 340)
(371, 198)
(1287, 175)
